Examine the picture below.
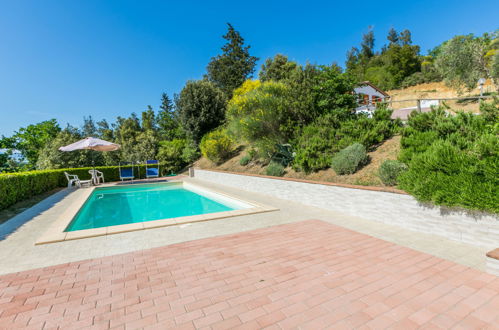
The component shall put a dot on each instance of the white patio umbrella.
(91, 143)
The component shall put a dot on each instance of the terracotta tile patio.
(308, 274)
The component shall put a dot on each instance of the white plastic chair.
(73, 179)
(97, 176)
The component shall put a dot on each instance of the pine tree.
(230, 69)
(393, 36)
(89, 128)
(367, 45)
(405, 37)
(168, 123)
(148, 119)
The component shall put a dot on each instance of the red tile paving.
(309, 274)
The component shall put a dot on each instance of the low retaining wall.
(387, 207)
(492, 266)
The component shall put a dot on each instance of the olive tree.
(461, 62)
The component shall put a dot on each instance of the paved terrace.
(18, 251)
(308, 274)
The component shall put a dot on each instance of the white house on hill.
(368, 96)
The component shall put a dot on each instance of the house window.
(363, 99)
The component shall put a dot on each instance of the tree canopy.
(230, 69)
(201, 108)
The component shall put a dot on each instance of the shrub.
(170, 154)
(445, 175)
(259, 114)
(274, 169)
(319, 141)
(390, 170)
(350, 159)
(245, 160)
(190, 153)
(217, 145)
(452, 160)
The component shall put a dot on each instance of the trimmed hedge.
(16, 187)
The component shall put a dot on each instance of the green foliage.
(168, 124)
(201, 108)
(453, 160)
(333, 92)
(261, 116)
(245, 160)
(229, 70)
(350, 159)
(31, 139)
(191, 152)
(274, 169)
(320, 140)
(494, 68)
(389, 171)
(389, 68)
(490, 110)
(427, 74)
(16, 187)
(217, 145)
(176, 154)
(138, 139)
(400, 61)
(302, 101)
(461, 61)
(52, 158)
(283, 155)
(277, 68)
(380, 76)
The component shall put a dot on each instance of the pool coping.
(56, 232)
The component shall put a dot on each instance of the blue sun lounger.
(152, 169)
(126, 173)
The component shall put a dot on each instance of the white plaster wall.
(391, 208)
(492, 266)
(368, 90)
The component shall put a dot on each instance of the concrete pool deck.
(18, 251)
(306, 275)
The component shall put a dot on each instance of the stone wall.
(387, 207)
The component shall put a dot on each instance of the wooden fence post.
(419, 105)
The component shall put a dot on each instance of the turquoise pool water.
(138, 203)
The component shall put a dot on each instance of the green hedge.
(16, 187)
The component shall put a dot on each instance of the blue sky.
(69, 59)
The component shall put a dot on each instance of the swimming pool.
(119, 205)
(122, 208)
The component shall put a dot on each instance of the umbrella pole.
(94, 175)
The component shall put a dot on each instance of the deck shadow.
(11, 225)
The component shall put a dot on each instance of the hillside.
(436, 90)
(365, 176)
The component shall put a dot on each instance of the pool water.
(139, 203)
